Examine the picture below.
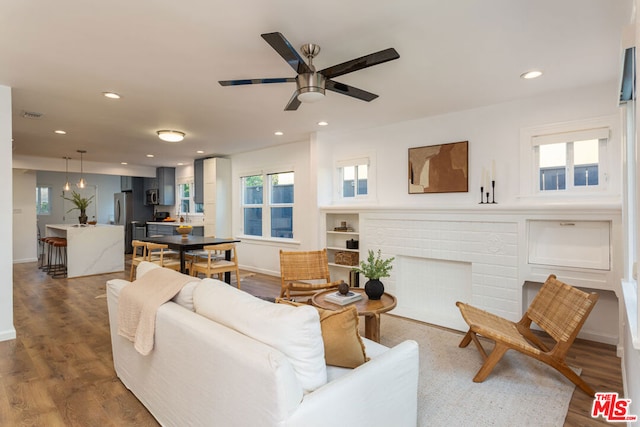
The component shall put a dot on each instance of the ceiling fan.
(311, 84)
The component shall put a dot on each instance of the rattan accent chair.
(215, 262)
(304, 273)
(559, 309)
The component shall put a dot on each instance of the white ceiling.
(165, 58)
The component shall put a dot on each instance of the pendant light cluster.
(82, 183)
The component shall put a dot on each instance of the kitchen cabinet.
(166, 185)
(158, 229)
(198, 181)
(126, 183)
(150, 184)
(217, 197)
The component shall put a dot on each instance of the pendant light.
(82, 183)
(67, 187)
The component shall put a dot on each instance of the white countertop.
(174, 223)
(72, 226)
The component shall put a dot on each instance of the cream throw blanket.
(139, 302)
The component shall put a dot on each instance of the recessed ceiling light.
(323, 123)
(180, 164)
(111, 95)
(60, 132)
(124, 163)
(171, 135)
(278, 133)
(533, 74)
(149, 155)
(200, 152)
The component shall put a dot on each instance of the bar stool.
(47, 247)
(59, 267)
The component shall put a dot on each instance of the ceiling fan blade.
(256, 81)
(286, 51)
(349, 90)
(293, 103)
(360, 63)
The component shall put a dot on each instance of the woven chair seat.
(491, 326)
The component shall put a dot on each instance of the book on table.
(338, 298)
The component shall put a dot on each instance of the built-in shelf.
(336, 243)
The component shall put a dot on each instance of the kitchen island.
(91, 249)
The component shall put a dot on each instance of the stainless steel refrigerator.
(126, 208)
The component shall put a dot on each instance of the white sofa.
(203, 373)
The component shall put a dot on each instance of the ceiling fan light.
(310, 97)
(171, 135)
(310, 87)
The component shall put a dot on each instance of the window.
(186, 204)
(273, 212)
(571, 160)
(43, 200)
(354, 180)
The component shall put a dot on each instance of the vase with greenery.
(373, 269)
(81, 203)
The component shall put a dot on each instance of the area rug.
(519, 392)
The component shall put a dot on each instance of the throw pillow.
(293, 331)
(343, 345)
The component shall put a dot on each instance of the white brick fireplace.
(481, 255)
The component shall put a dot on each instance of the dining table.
(191, 243)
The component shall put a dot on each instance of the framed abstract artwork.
(440, 168)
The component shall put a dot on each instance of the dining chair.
(558, 309)
(216, 262)
(304, 273)
(138, 255)
(156, 255)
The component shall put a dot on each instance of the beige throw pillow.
(343, 345)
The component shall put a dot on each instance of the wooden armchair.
(304, 273)
(215, 262)
(558, 309)
(157, 254)
(139, 254)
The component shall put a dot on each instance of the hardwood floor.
(59, 370)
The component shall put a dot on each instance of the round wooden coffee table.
(370, 309)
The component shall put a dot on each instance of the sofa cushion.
(343, 345)
(293, 331)
(184, 297)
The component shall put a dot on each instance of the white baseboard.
(8, 335)
(24, 261)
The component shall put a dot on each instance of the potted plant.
(373, 269)
(81, 203)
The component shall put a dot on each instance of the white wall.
(24, 216)
(493, 132)
(262, 255)
(7, 330)
(106, 187)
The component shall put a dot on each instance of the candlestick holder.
(493, 192)
(487, 196)
(481, 195)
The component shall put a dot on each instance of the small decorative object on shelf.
(352, 244)
(346, 258)
(373, 269)
(488, 177)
